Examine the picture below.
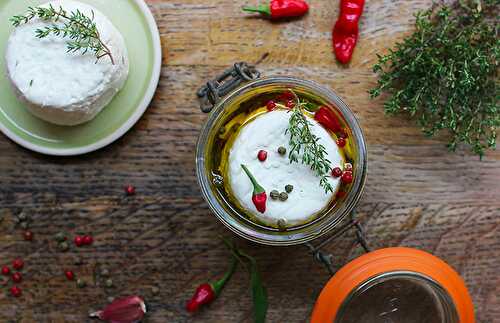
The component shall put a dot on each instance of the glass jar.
(398, 296)
(209, 180)
(395, 285)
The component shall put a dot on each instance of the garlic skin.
(123, 310)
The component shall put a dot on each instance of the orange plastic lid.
(372, 264)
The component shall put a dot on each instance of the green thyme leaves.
(303, 141)
(445, 75)
(80, 29)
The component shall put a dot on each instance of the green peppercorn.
(81, 283)
(155, 290)
(274, 194)
(24, 225)
(104, 272)
(64, 246)
(110, 299)
(109, 283)
(282, 151)
(59, 237)
(282, 224)
(283, 196)
(22, 217)
(289, 188)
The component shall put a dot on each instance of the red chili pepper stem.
(219, 284)
(259, 196)
(262, 9)
(257, 189)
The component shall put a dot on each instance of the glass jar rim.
(444, 300)
(292, 238)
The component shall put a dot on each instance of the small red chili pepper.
(204, 294)
(341, 142)
(277, 9)
(207, 293)
(327, 119)
(346, 30)
(259, 196)
(290, 104)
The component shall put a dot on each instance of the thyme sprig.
(303, 141)
(80, 29)
(446, 73)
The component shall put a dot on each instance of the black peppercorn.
(282, 151)
(283, 196)
(289, 188)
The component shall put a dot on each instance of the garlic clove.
(123, 310)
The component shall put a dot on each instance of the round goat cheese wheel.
(61, 87)
(268, 132)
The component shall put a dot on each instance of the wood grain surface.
(417, 194)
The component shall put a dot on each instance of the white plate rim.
(131, 121)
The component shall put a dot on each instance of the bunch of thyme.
(302, 140)
(80, 29)
(446, 73)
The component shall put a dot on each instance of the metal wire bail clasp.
(215, 89)
(327, 259)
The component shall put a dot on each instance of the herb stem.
(304, 142)
(81, 30)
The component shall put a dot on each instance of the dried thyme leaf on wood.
(446, 73)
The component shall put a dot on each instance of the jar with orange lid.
(393, 285)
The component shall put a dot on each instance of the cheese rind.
(60, 87)
(268, 132)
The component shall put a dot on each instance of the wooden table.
(418, 194)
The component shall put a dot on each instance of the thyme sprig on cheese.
(302, 140)
(80, 29)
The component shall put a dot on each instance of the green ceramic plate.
(138, 27)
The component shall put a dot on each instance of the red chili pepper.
(346, 30)
(259, 196)
(207, 293)
(277, 9)
(326, 117)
